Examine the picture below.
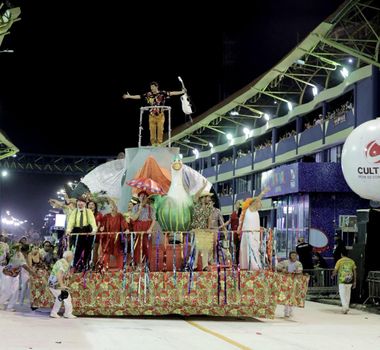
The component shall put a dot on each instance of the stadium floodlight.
(234, 113)
(350, 60)
(246, 131)
(266, 116)
(211, 145)
(4, 173)
(315, 91)
(344, 71)
(196, 153)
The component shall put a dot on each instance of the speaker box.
(366, 249)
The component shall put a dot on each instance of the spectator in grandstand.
(305, 253)
(290, 266)
(345, 268)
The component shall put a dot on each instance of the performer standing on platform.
(143, 220)
(82, 220)
(249, 228)
(155, 97)
(98, 218)
(204, 238)
(111, 245)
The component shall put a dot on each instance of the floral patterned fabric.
(163, 293)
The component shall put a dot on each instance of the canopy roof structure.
(7, 148)
(346, 42)
(8, 15)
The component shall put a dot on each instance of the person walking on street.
(345, 268)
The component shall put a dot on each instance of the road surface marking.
(218, 335)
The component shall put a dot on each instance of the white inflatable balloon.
(361, 160)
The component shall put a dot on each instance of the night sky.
(60, 91)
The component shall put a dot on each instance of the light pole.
(3, 174)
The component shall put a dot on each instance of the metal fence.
(373, 280)
(322, 282)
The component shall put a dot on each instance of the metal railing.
(141, 247)
(322, 282)
(373, 280)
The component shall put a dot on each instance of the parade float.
(165, 283)
(159, 275)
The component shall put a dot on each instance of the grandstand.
(287, 127)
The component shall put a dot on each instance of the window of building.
(319, 157)
(244, 184)
(292, 222)
(334, 154)
(257, 182)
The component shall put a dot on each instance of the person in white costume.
(249, 230)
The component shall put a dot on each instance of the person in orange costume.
(111, 246)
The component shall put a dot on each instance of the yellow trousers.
(156, 127)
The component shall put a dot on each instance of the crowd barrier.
(373, 280)
(322, 282)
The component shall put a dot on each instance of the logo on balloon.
(372, 152)
(361, 160)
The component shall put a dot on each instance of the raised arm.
(176, 93)
(56, 204)
(132, 97)
(263, 192)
